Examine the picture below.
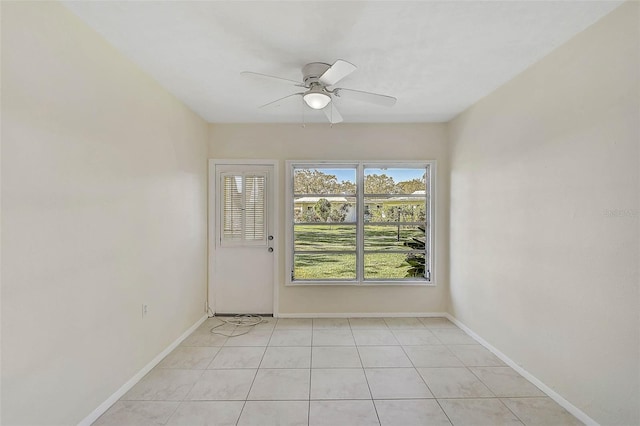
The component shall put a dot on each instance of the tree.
(307, 215)
(347, 187)
(322, 208)
(311, 181)
(416, 261)
(310, 216)
(411, 186)
(379, 184)
(337, 215)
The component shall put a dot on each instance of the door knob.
(270, 237)
(270, 249)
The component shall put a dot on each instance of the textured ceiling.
(437, 58)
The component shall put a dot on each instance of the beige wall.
(103, 208)
(347, 142)
(544, 219)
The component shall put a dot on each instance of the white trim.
(359, 225)
(575, 411)
(274, 186)
(433, 220)
(360, 165)
(102, 408)
(365, 315)
(211, 229)
(353, 283)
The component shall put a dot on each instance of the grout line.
(338, 399)
(480, 380)
(426, 384)
(310, 370)
(192, 386)
(255, 375)
(105, 406)
(351, 330)
(214, 356)
(445, 413)
(551, 393)
(509, 408)
(365, 375)
(174, 411)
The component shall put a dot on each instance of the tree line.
(311, 181)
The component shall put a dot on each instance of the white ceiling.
(437, 57)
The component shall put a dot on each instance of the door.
(243, 259)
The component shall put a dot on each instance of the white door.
(242, 257)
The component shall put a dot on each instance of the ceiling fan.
(319, 80)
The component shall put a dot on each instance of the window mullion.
(360, 224)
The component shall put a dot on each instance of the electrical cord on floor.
(249, 321)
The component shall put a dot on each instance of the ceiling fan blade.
(336, 72)
(332, 114)
(277, 102)
(373, 98)
(271, 77)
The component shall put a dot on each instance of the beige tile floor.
(336, 372)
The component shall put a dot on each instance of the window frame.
(430, 221)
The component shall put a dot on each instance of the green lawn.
(334, 237)
(325, 266)
(343, 238)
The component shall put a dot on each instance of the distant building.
(371, 205)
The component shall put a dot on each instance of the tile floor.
(336, 372)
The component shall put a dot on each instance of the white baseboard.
(578, 413)
(93, 416)
(362, 315)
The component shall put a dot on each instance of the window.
(360, 223)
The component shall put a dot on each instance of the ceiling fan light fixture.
(319, 82)
(316, 99)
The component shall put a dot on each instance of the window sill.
(398, 283)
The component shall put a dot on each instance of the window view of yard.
(332, 238)
(326, 223)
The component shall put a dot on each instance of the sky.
(398, 175)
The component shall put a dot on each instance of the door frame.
(212, 223)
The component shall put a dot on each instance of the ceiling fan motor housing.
(311, 72)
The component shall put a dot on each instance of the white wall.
(544, 219)
(347, 142)
(103, 208)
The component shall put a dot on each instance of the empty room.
(320, 213)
